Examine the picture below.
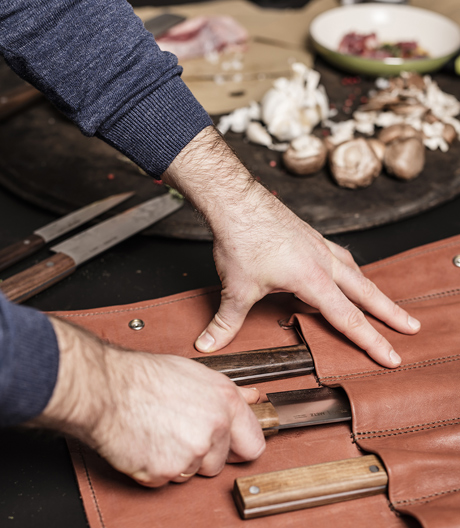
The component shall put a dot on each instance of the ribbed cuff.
(155, 130)
(29, 361)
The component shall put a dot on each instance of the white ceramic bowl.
(436, 34)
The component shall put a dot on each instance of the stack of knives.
(81, 247)
(302, 487)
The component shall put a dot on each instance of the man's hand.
(261, 247)
(157, 418)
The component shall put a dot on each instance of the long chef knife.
(267, 364)
(309, 486)
(88, 244)
(301, 408)
(29, 245)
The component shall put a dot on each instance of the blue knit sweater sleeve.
(96, 63)
(28, 362)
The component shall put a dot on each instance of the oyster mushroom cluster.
(292, 108)
(402, 117)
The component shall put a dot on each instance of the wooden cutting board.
(277, 39)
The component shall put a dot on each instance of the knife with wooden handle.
(89, 243)
(309, 486)
(302, 408)
(255, 366)
(32, 243)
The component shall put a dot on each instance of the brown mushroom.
(449, 133)
(378, 147)
(413, 80)
(379, 101)
(397, 132)
(305, 155)
(405, 158)
(354, 164)
(405, 108)
(430, 118)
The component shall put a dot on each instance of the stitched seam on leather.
(413, 255)
(430, 497)
(137, 308)
(408, 427)
(93, 491)
(410, 366)
(407, 432)
(446, 293)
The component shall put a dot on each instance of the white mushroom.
(305, 155)
(257, 133)
(354, 164)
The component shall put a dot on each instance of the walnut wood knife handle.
(17, 99)
(309, 486)
(19, 250)
(262, 365)
(33, 280)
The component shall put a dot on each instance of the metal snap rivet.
(374, 469)
(26, 242)
(136, 324)
(456, 261)
(254, 490)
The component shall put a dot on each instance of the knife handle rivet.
(374, 469)
(50, 264)
(456, 261)
(26, 242)
(254, 490)
(136, 324)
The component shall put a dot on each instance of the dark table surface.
(37, 484)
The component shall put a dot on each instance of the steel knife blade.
(159, 24)
(301, 408)
(86, 245)
(29, 245)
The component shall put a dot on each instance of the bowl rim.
(390, 61)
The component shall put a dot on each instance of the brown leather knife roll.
(409, 416)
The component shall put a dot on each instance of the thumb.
(225, 325)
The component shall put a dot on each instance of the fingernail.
(141, 476)
(413, 323)
(205, 342)
(394, 358)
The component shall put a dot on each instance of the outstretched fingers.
(366, 294)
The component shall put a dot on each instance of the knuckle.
(355, 319)
(380, 342)
(368, 289)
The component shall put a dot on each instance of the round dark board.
(47, 161)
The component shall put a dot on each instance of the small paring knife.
(301, 408)
(309, 486)
(31, 244)
(86, 245)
